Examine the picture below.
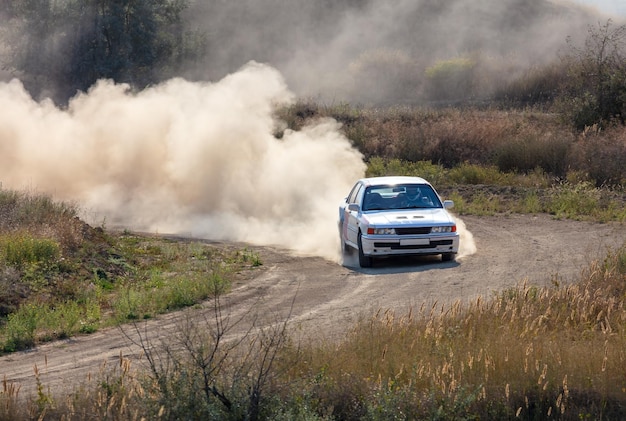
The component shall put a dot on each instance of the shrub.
(537, 86)
(21, 249)
(435, 174)
(601, 156)
(20, 328)
(451, 79)
(477, 174)
(595, 92)
(526, 154)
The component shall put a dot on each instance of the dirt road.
(323, 298)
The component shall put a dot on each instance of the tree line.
(59, 47)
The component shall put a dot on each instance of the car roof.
(392, 180)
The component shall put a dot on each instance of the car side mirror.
(353, 207)
(448, 204)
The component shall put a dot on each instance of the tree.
(595, 93)
(60, 47)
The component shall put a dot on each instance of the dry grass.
(40, 216)
(529, 352)
(521, 141)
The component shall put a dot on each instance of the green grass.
(479, 190)
(60, 277)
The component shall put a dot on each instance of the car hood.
(410, 217)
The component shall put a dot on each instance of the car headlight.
(381, 231)
(438, 230)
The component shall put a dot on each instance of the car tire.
(364, 261)
(448, 257)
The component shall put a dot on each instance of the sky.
(608, 6)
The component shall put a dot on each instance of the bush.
(526, 154)
(595, 92)
(477, 174)
(601, 156)
(538, 86)
(390, 74)
(451, 79)
(19, 250)
(20, 328)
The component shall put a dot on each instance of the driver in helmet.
(413, 196)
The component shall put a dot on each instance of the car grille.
(413, 230)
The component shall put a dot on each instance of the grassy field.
(60, 277)
(525, 353)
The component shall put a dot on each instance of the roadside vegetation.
(491, 161)
(59, 277)
(526, 352)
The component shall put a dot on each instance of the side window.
(354, 194)
(359, 195)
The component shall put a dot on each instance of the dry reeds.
(528, 351)
(513, 140)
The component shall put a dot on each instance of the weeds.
(56, 285)
(21, 249)
(528, 352)
(516, 141)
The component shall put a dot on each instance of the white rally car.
(388, 216)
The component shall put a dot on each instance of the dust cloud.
(378, 52)
(197, 159)
(467, 245)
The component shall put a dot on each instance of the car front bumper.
(390, 245)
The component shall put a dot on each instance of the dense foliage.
(58, 48)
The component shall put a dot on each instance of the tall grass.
(521, 141)
(527, 352)
(486, 190)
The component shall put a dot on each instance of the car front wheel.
(448, 257)
(364, 261)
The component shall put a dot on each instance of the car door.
(351, 217)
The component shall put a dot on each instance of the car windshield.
(402, 196)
